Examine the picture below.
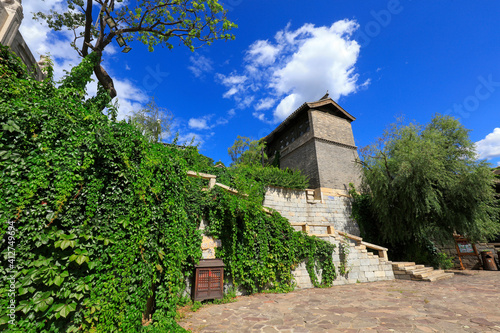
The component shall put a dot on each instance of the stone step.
(402, 264)
(420, 270)
(442, 276)
(437, 275)
(409, 269)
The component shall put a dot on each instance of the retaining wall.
(328, 206)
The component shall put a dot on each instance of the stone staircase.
(363, 265)
(411, 271)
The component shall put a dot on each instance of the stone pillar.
(11, 15)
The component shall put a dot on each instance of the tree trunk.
(105, 80)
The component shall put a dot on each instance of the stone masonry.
(472, 261)
(11, 16)
(323, 206)
(362, 266)
(317, 139)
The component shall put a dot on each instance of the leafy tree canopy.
(247, 151)
(192, 23)
(425, 182)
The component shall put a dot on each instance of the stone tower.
(317, 139)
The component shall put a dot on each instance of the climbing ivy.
(344, 250)
(95, 220)
(260, 250)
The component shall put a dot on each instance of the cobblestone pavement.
(468, 302)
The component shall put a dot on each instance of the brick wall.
(332, 128)
(302, 156)
(336, 165)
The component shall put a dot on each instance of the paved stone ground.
(468, 302)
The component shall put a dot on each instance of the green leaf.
(66, 309)
(58, 280)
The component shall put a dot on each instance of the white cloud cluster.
(200, 65)
(205, 123)
(489, 147)
(298, 66)
(199, 123)
(42, 41)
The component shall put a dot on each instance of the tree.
(151, 22)
(247, 151)
(153, 121)
(426, 183)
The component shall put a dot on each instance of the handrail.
(212, 181)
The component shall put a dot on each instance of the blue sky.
(378, 60)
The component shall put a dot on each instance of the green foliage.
(101, 219)
(246, 151)
(425, 181)
(260, 250)
(153, 121)
(444, 261)
(344, 250)
(196, 306)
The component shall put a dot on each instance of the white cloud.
(286, 106)
(489, 147)
(262, 52)
(110, 49)
(234, 82)
(265, 103)
(233, 79)
(130, 98)
(200, 65)
(199, 123)
(230, 92)
(299, 66)
(204, 123)
(193, 139)
(42, 40)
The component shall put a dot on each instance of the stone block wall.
(362, 267)
(301, 155)
(469, 262)
(337, 165)
(331, 128)
(329, 207)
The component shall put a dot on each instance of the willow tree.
(95, 23)
(153, 121)
(247, 151)
(426, 182)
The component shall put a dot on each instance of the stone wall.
(337, 165)
(328, 206)
(362, 266)
(11, 15)
(302, 156)
(469, 262)
(332, 128)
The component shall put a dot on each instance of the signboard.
(464, 247)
